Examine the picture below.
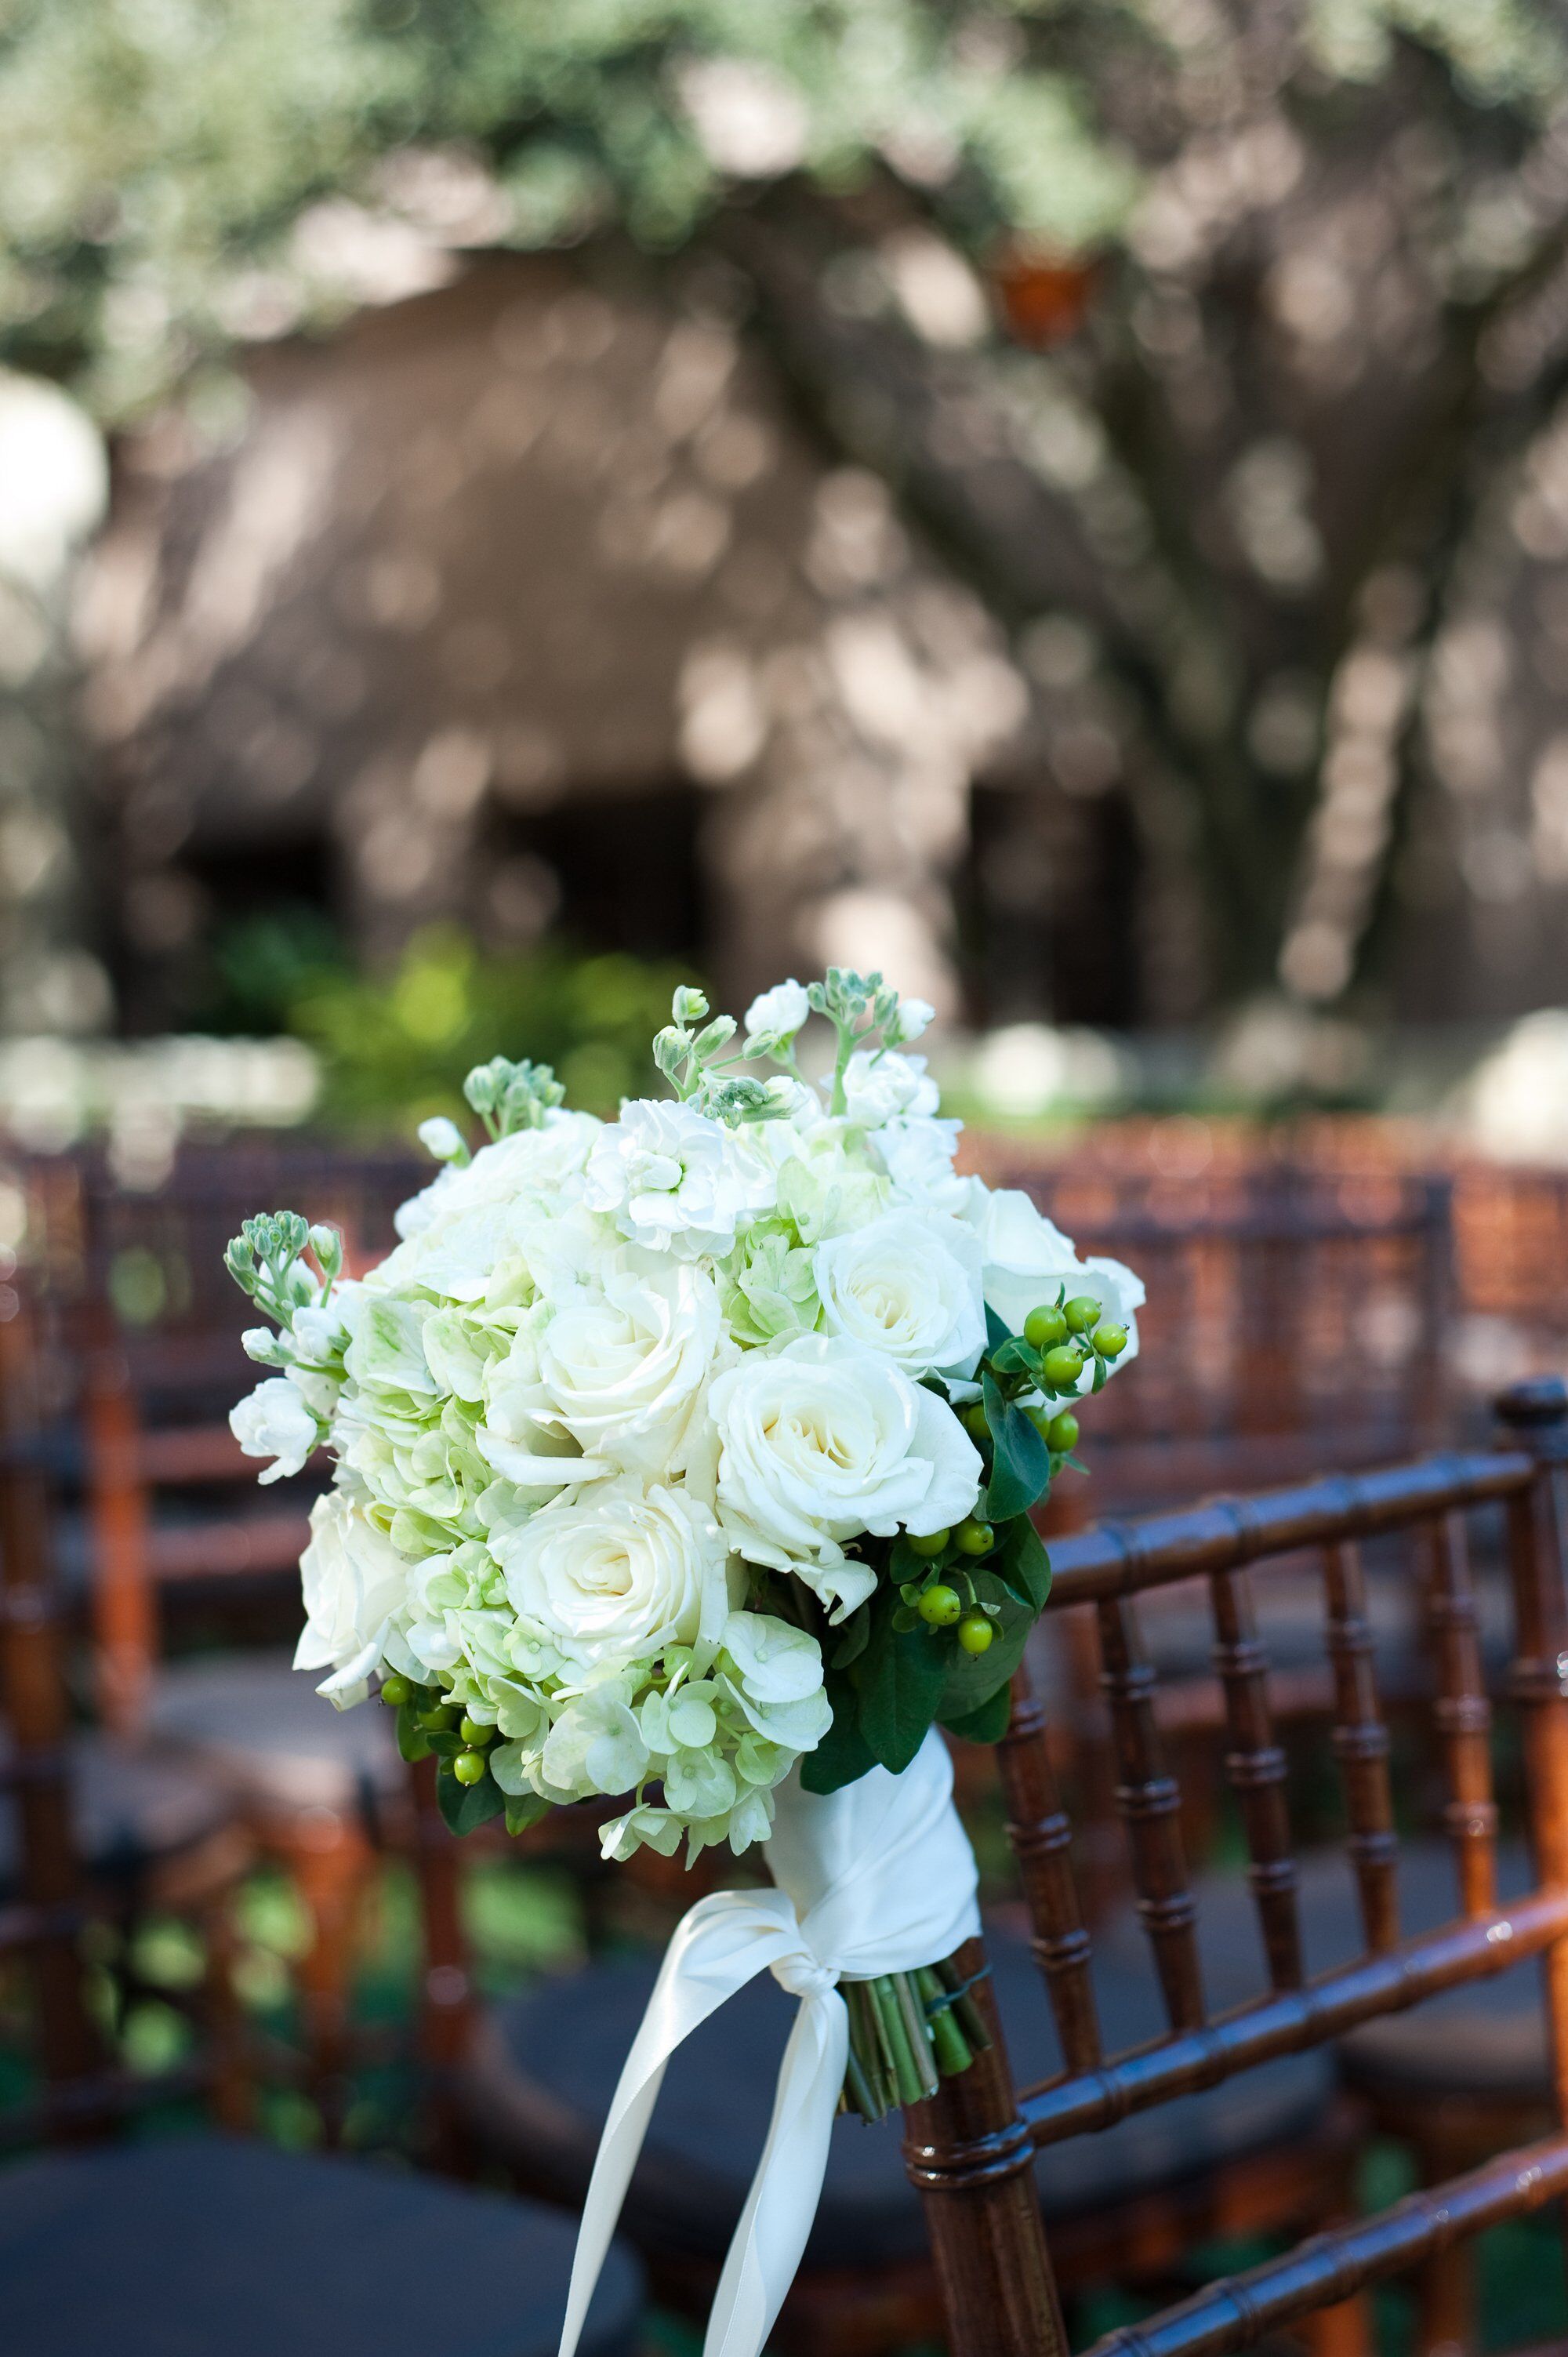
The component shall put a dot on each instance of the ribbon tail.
(635, 2096)
(771, 2239)
(723, 1943)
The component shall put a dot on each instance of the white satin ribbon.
(878, 1877)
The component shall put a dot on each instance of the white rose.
(274, 1421)
(354, 1580)
(778, 1013)
(823, 1440)
(620, 1573)
(623, 1370)
(675, 1181)
(1027, 1261)
(880, 1085)
(907, 1286)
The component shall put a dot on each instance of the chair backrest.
(1296, 1312)
(972, 2148)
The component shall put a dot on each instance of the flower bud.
(444, 1139)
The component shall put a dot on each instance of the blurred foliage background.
(1219, 349)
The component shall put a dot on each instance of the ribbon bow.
(878, 1877)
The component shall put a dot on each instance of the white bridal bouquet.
(686, 1459)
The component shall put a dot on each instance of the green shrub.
(394, 1049)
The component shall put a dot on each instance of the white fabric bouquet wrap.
(685, 1460)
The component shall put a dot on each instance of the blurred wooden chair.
(150, 1837)
(1297, 1313)
(143, 1324)
(972, 2151)
(204, 2241)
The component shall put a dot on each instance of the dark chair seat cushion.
(544, 2067)
(132, 1811)
(1487, 2039)
(207, 2247)
(262, 1726)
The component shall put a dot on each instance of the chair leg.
(331, 1862)
(233, 2089)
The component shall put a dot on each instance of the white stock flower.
(274, 1421)
(354, 1581)
(544, 1162)
(778, 1013)
(1027, 1261)
(917, 1152)
(824, 1440)
(623, 1370)
(620, 1572)
(675, 1181)
(908, 1286)
(880, 1085)
(913, 1018)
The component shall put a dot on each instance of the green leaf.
(851, 1644)
(843, 1755)
(465, 1806)
(988, 1724)
(411, 1740)
(1023, 1462)
(527, 1811)
(900, 1680)
(445, 1742)
(996, 1333)
(1020, 1563)
(973, 1678)
(1017, 1357)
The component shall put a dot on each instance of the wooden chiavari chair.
(199, 2240)
(175, 1529)
(973, 2151)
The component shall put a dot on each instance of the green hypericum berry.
(1111, 1341)
(474, 1735)
(939, 1606)
(395, 1691)
(468, 1767)
(1062, 1367)
(1083, 1313)
(975, 1633)
(928, 1543)
(1061, 1433)
(441, 1720)
(1045, 1326)
(975, 1421)
(975, 1537)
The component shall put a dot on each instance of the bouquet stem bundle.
(907, 2032)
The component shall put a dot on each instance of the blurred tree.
(1196, 330)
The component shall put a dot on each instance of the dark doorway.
(624, 869)
(1047, 906)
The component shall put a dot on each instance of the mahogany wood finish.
(48, 1921)
(974, 2138)
(1361, 1744)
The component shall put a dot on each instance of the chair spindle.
(1255, 1766)
(1040, 1836)
(1149, 1801)
(1462, 1715)
(1361, 1745)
